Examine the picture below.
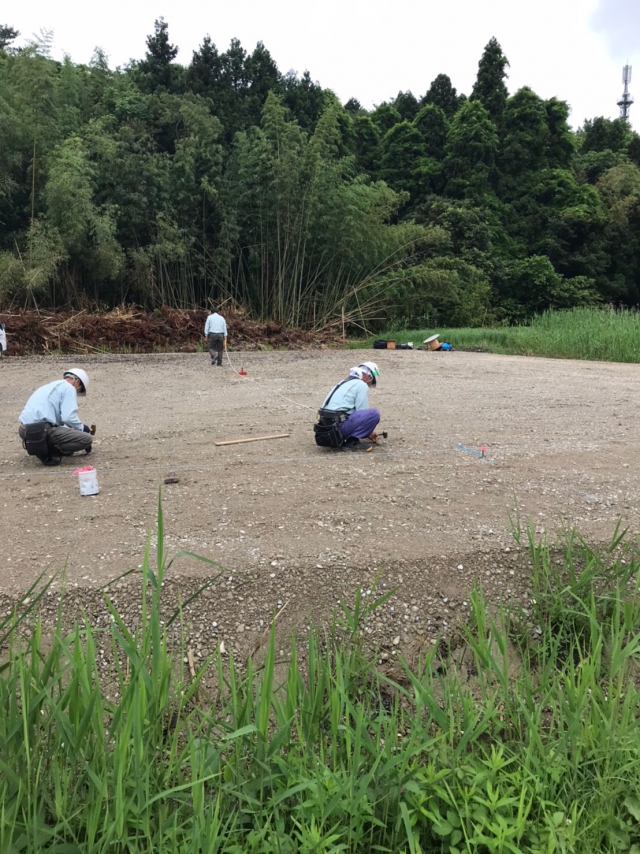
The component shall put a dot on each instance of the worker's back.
(348, 397)
(44, 403)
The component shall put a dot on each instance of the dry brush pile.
(133, 330)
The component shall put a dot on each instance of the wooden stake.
(253, 439)
(192, 671)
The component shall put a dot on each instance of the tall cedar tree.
(562, 143)
(367, 144)
(634, 149)
(156, 71)
(442, 94)
(432, 123)
(305, 98)
(385, 117)
(205, 71)
(490, 88)
(605, 134)
(471, 149)
(7, 35)
(401, 150)
(354, 107)
(407, 105)
(525, 138)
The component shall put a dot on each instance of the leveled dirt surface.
(300, 527)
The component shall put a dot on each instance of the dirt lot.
(298, 527)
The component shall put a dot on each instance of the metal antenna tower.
(625, 102)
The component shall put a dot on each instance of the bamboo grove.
(224, 179)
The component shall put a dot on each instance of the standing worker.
(215, 330)
(345, 416)
(49, 425)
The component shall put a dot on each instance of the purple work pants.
(360, 424)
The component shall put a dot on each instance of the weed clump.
(532, 747)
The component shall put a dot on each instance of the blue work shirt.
(56, 403)
(351, 396)
(216, 323)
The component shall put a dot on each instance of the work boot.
(354, 445)
(51, 460)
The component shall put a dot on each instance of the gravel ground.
(297, 527)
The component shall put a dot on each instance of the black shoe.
(355, 446)
(51, 460)
(220, 365)
(87, 450)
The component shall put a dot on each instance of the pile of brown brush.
(132, 330)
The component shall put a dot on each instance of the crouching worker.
(49, 425)
(345, 417)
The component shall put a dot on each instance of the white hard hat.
(372, 369)
(79, 374)
(356, 372)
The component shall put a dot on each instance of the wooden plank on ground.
(253, 439)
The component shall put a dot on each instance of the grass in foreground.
(536, 751)
(582, 333)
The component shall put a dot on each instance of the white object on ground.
(432, 341)
(88, 482)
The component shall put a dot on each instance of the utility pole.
(625, 102)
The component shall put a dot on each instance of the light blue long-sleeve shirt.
(351, 396)
(216, 323)
(56, 403)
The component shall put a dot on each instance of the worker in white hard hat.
(49, 425)
(372, 369)
(348, 401)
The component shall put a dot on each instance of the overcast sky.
(371, 49)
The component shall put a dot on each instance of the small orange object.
(242, 372)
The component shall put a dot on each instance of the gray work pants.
(65, 440)
(216, 343)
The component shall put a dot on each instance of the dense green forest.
(165, 184)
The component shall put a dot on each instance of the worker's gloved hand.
(92, 430)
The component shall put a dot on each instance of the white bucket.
(88, 482)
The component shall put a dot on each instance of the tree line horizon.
(224, 179)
